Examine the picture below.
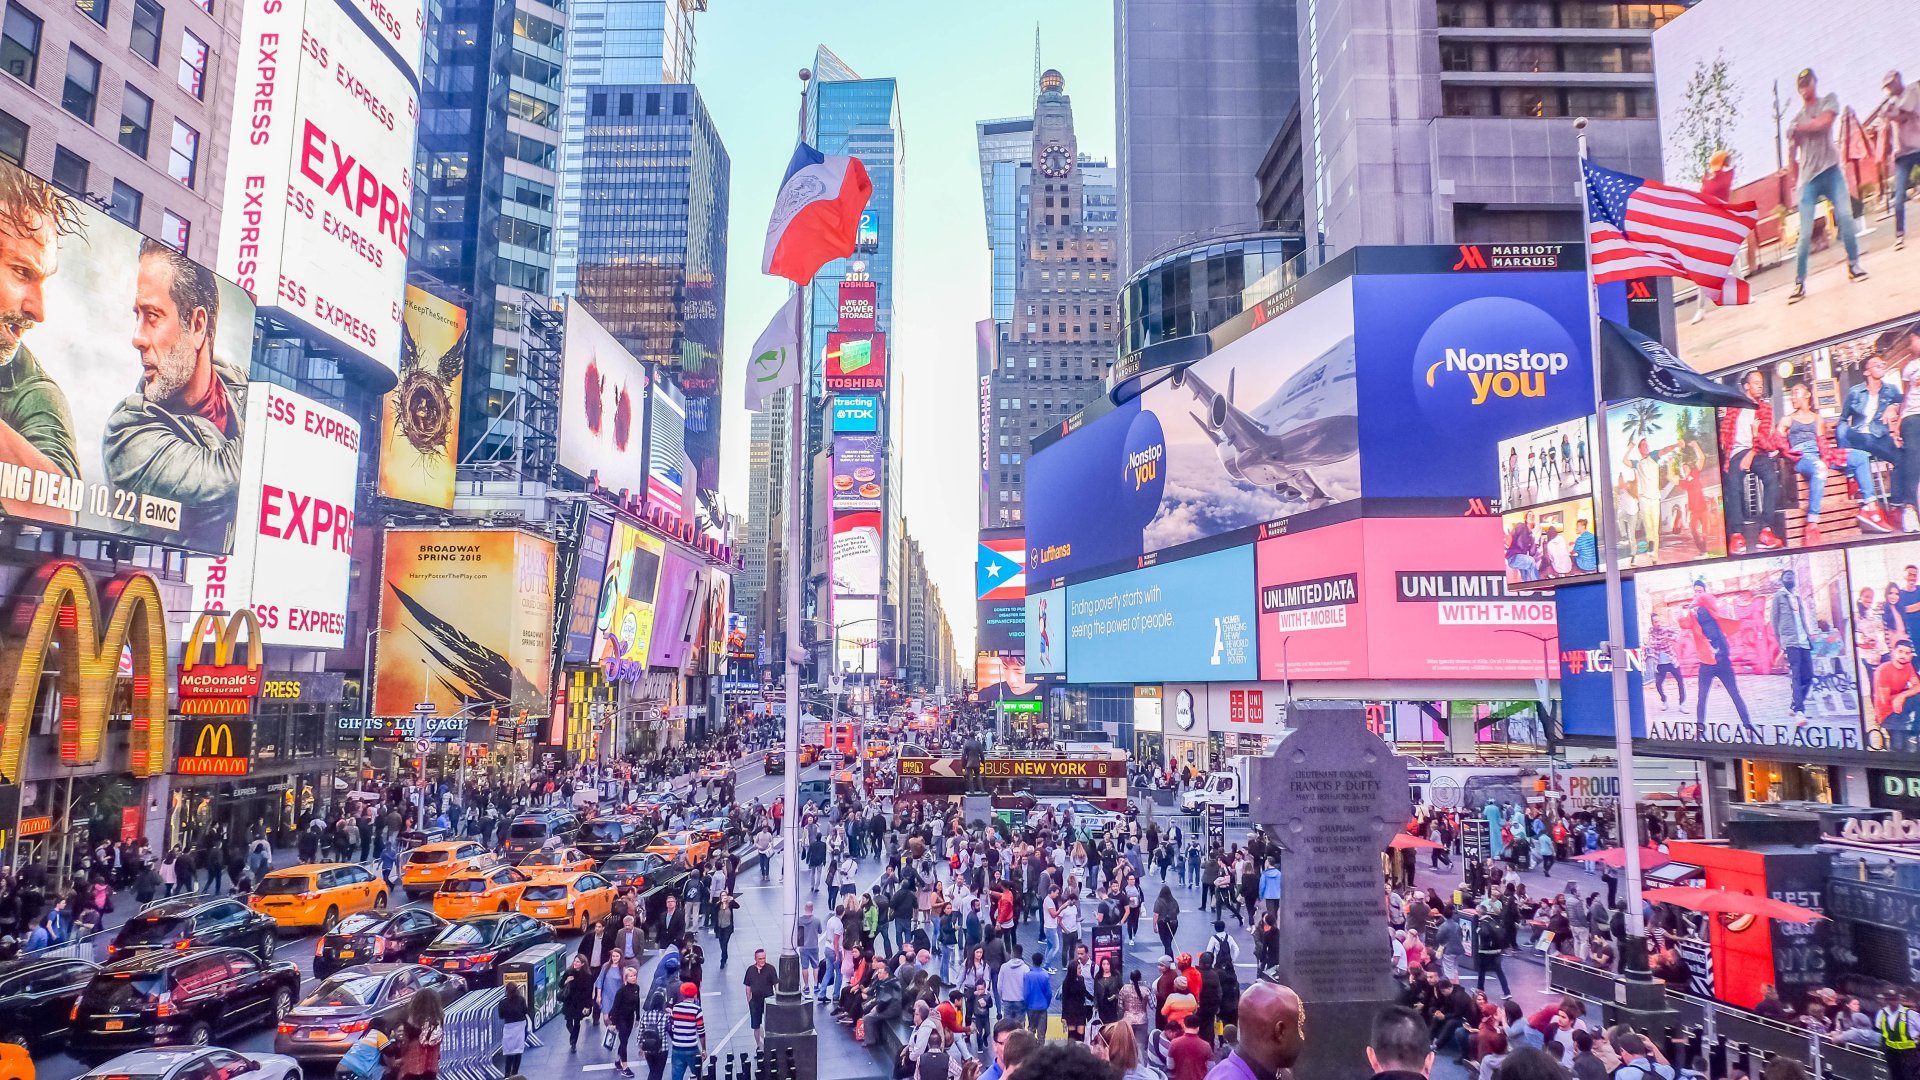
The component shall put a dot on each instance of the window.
(93, 9)
(145, 39)
(193, 64)
(597, 105)
(183, 157)
(20, 43)
(13, 138)
(175, 231)
(82, 90)
(69, 171)
(126, 204)
(136, 120)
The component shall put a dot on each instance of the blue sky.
(957, 63)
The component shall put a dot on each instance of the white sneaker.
(1909, 521)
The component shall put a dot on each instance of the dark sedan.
(475, 947)
(641, 869)
(327, 1022)
(392, 936)
(37, 997)
(604, 838)
(178, 998)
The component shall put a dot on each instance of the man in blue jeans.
(1903, 115)
(687, 1028)
(1820, 178)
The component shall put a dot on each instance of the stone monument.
(1332, 795)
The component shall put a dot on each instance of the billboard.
(1397, 598)
(858, 300)
(1191, 619)
(856, 361)
(319, 172)
(856, 414)
(671, 480)
(1455, 362)
(992, 669)
(467, 618)
(623, 630)
(1666, 477)
(1044, 632)
(125, 415)
(292, 562)
(675, 612)
(420, 419)
(1000, 589)
(857, 553)
(1554, 540)
(1759, 646)
(1727, 83)
(583, 613)
(1551, 464)
(856, 471)
(602, 390)
(856, 634)
(1885, 599)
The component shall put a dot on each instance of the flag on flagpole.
(1642, 228)
(776, 355)
(1633, 365)
(816, 216)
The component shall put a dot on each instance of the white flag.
(776, 355)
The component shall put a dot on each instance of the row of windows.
(20, 48)
(1532, 102)
(1548, 14)
(625, 102)
(71, 173)
(1483, 56)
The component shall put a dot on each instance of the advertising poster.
(858, 300)
(1814, 158)
(1045, 632)
(1000, 675)
(292, 562)
(1551, 541)
(584, 612)
(319, 170)
(857, 553)
(467, 617)
(1886, 633)
(623, 630)
(856, 414)
(856, 633)
(856, 471)
(1586, 672)
(1000, 590)
(420, 419)
(130, 413)
(856, 361)
(1552, 464)
(1760, 648)
(1313, 619)
(602, 390)
(1666, 479)
(674, 611)
(671, 481)
(1192, 619)
(1454, 364)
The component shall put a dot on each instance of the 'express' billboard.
(467, 618)
(1186, 620)
(602, 390)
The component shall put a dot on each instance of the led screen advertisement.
(1814, 158)
(297, 496)
(856, 471)
(125, 414)
(856, 361)
(858, 299)
(602, 390)
(319, 173)
(623, 630)
(1045, 632)
(1667, 479)
(1550, 542)
(1759, 645)
(1192, 619)
(1000, 589)
(466, 619)
(857, 635)
(1885, 599)
(673, 611)
(1000, 675)
(857, 553)
(420, 419)
(583, 612)
(671, 480)
(1551, 464)
(856, 414)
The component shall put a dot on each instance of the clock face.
(1055, 161)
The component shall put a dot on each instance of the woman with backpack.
(654, 1031)
(420, 1036)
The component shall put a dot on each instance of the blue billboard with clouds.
(1191, 620)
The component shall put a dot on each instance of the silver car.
(196, 1063)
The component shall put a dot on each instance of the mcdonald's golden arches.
(222, 688)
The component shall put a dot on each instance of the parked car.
(477, 946)
(317, 894)
(395, 936)
(191, 922)
(196, 1063)
(327, 1022)
(178, 998)
(605, 837)
(37, 999)
(428, 865)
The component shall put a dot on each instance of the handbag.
(607, 1040)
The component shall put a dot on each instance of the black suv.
(604, 838)
(190, 922)
(176, 998)
(530, 832)
(37, 996)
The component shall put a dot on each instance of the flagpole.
(796, 536)
(1633, 951)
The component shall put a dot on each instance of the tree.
(1643, 420)
(1703, 125)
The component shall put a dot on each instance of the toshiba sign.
(319, 175)
(294, 549)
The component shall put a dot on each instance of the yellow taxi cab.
(809, 753)
(483, 889)
(428, 865)
(15, 1063)
(878, 748)
(556, 859)
(671, 846)
(317, 894)
(567, 898)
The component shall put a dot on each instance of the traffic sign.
(426, 708)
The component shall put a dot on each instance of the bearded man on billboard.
(36, 426)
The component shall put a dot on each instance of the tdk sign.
(856, 413)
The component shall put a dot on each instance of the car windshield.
(110, 993)
(462, 934)
(150, 930)
(545, 892)
(345, 990)
(282, 886)
(527, 830)
(602, 831)
(464, 885)
(429, 856)
(360, 923)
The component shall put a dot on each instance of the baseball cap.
(1166, 961)
(688, 989)
(1805, 76)
(1892, 76)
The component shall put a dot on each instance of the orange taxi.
(567, 898)
(809, 753)
(559, 858)
(317, 894)
(878, 748)
(483, 889)
(426, 866)
(673, 845)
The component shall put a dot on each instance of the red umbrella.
(1402, 841)
(1723, 902)
(1617, 857)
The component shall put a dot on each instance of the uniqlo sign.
(1246, 706)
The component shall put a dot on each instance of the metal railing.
(470, 1037)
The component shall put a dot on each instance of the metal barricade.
(84, 948)
(470, 1037)
(772, 1063)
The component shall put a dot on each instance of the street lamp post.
(1546, 667)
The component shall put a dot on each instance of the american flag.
(1642, 228)
(669, 471)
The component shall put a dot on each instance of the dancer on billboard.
(1787, 614)
(1903, 121)
(1867, 419)
(1896, 700)
(1703, 617)
(1821, 177)
(1749, 452)
(1812, 448)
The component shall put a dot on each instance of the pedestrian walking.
(760, 981)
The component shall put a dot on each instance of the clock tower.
(1056, 196)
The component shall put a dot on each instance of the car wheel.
(380, 903)
(332, 916)
(199, 1035)
(282, 1003)
(266, 945)
(16, 1038)
(503, 906)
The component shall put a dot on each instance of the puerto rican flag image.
(1001, 569)
(816, 216)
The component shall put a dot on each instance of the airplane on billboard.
(1306, 427)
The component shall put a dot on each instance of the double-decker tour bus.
(1016, 779)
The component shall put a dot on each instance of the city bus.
(1016, 779)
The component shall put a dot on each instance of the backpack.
(650, 1041)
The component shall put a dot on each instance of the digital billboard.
(143, 439)
(857, 553)
(856, 633)
(858, 299)
(856, 471)
(1453, 363)
(291, 563)
(623, 630)
(1666, 477)
(1000, 589)
(1397, 598)
(1760, 647)
(466, 619)
(1812, 155)
(671, 480)
(1586, 673)
(1190, 619)
(1885, 599)
(1045, 632)
(1548, 465)
(1554, 540)
(856, 414)
(999, 675)
(583, 612)
(602, 390)
(856, 361)
(319, 172)
(675, 618)
(420, 419)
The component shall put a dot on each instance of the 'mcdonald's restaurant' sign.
(222, 688)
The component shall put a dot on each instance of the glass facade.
(1194, 289)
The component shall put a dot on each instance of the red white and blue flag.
(816, 217)
(1642, 228)
(1001, 570)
